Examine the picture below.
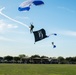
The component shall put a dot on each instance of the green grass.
(37, 69)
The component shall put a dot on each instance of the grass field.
(37, 69)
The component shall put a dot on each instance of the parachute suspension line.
(13, 20)
(53, 34)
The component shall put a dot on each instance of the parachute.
(25, 6)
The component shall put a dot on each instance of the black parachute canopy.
(40, 34)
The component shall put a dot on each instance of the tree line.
(36, 59)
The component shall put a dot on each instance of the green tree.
(1, 59)
(61, 60)
(16, 59)
(23, 58)
(69, 60)
(8, 58)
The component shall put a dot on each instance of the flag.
(39, 35)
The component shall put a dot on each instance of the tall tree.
(16, 59)
(61, 60)
(8, 58)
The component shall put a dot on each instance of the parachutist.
(52, 43)
(54, 46)
(31, 28)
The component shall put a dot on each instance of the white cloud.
(5, 39)
(71, 33)
(67, 33)
(4, 26)
(27, 18)
(11, 26)
(66, 9)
